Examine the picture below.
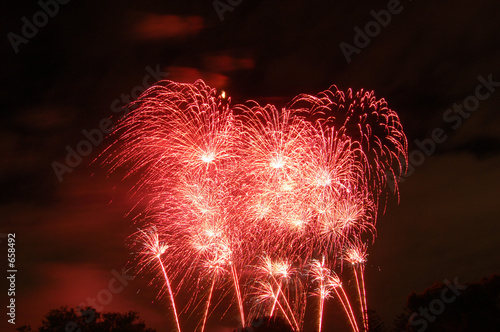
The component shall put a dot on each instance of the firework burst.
(259, 202)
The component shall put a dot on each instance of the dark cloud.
(152, 26)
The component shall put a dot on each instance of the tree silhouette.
(267, 324)
(88, 319)
(451, 306)
(401, 322)
(375, 323)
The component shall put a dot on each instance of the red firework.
(252, 199)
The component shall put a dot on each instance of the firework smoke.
(259, 202)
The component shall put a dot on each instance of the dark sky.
(67, 76)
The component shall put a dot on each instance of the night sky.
(88, 58)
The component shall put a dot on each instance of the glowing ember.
(256, 200)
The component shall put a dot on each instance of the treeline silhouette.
(88, 319)
(448, 306)
(454, 307)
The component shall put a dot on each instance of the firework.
(256, 201)
(356, 256)
(153, 249)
